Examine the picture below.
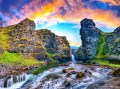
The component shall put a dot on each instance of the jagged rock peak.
(26, 24)
(87, 23)
(117, 29)
(27, 21)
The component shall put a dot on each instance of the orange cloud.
(112, 2)
(50, 12)
(74, 44)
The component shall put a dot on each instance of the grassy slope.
(103, 52)
(51, 55)
(105, 62)
(12, 58)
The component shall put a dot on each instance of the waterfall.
(73, 58)
(13, 81)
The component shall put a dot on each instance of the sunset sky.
(62, 16)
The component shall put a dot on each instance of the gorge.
(39, 59)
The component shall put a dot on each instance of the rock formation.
(89, 36)
(54, 43)
(98, 44)
(24, 39)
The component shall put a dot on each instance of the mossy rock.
(80, 75)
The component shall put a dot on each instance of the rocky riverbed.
(66, 76)
(6, 69)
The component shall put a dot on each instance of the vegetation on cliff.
(12, 58)
(102, 50)
(21, 44)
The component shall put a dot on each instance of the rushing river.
(53, 78)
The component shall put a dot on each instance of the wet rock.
(88, 72)
(65, 65)
(71, 69)
(67, 83)
(80, 75)
(92, 68)
(64, 70)
(6, 81)
(69, 74)
(116, 72)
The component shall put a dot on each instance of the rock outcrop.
(89, 36)
(98, 44)
(54, 43)
(24, 39)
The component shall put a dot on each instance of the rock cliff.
(89, 36)
(24, 39)
(54, 43)
(98, 44)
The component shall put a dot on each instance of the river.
(53, 78)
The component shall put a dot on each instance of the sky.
(62, 16)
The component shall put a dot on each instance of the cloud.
(75, 44)
(77, 26)
(112, 2)
(73, 11)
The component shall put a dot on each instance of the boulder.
(64, 70)
(80, 75)
(116, 72)
(69, 74)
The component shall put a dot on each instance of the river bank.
(6, 69)
(73, 74)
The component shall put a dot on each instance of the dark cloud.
(62, 11)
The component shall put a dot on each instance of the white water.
(73, 59)
(29, 81)
(76, 84)
(15, 81)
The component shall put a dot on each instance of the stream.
(54, 78)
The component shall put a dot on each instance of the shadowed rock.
(89, 36)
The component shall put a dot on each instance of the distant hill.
(74, 47)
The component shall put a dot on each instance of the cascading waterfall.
(73, 58)
(11, 81)
(43, 82)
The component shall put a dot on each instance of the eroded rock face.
(53, 43)
(97, 43)
(24, 40)
(89, 36)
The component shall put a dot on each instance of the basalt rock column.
(89, 36)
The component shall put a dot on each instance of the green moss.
(16, 59)
(13, 58)
(51, 55)
(105, 62)
(46, 67)
(117, 40)
(103, 49)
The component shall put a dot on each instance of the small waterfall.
(11, 80)
(73, 58)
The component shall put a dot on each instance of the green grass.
(12, 58)
(103, 50)
(16, 59)
(105, 62)
(51, 55)
(46, 67)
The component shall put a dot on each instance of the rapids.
(53, 78)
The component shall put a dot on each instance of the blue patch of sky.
(64, 29)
